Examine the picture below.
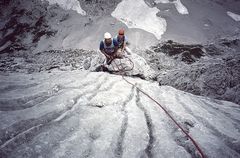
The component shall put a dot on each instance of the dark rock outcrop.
(211, 70)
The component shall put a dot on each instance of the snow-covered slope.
(89, 114)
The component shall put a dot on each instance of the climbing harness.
(164, 109)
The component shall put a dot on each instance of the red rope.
(168, 114)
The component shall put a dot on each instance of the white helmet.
(107, 35)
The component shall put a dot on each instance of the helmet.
(107, 35)
(121, 32)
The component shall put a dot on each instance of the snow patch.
(234, 16)
(69, 5)
(180, 7)
(178, 4)
(137, 14)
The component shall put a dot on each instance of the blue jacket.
(108, 49)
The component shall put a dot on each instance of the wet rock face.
(187, 53)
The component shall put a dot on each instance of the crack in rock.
(12, 136)
(148, 119)
(16, 86)
(76, 99)
(118, 152)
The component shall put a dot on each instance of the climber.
(109, 47)
(123, 42)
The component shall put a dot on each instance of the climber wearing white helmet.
(109, 47)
